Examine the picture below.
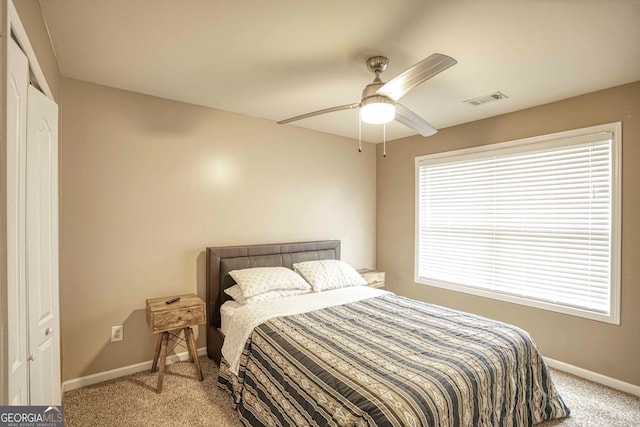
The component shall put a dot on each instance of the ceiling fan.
(379, 102)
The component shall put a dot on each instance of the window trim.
(616, 220)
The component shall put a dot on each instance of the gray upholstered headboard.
(220, 261)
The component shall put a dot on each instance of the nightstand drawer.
(189, 311)
(176, 319)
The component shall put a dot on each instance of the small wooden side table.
(162, 318)
(374, 278)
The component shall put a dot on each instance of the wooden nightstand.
(183, 314)
(374, 278)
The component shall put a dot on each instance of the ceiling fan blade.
(317, 113)
(398, 86)
(413, 121)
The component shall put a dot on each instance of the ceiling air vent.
(496, 96)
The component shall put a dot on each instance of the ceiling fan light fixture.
(379, 101)
(377, 110)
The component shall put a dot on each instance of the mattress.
(226, 315)
(392, 361)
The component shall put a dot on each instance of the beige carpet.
(133, 401)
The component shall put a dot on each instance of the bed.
(360, 356)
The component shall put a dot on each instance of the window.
(534, 221)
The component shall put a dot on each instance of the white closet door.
(42, 248)
(18, 81)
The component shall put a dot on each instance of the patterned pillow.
(255, 281)
(329, 274)
(236, 293)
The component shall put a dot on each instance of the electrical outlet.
(117, 333)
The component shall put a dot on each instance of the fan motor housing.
(371, 89)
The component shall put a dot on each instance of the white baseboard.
(125, 370)
(593, 376)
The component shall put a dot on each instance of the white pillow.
(329, 274)
(236, 293)
(255, 281)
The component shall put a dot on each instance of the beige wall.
(32, 21)
(147, 183)
(607, 349)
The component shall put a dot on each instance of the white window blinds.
(531, 221)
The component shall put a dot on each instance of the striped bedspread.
(391, 361)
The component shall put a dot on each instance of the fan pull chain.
(359, 132)
(384, 140)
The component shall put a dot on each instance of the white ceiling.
(280, 58)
